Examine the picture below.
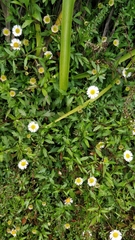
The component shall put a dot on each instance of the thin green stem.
(38, 39)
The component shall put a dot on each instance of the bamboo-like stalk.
(67, 12)
(126, 56)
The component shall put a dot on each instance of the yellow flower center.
(17, 30)
(127, 155)
(115, 234)
(94, 71)
(33, 127)
(6, 31)
(13, 232)
(67, 200)
(26, 42)
(23, 164)
(16, 45)
(91, 180)
(48, 55)
(92, 92)
(78, 180)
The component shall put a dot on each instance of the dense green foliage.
(89, 142)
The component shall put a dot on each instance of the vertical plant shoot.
(67, 12)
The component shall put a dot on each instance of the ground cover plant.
(67, 120)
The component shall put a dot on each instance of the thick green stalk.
(67, 12)
(126, 56)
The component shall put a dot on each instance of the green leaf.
(37, 16)
(93, 209)
(23, 113)
(16, 2)
(1, 157)
(27, 23)
(44, 92)
(97, 128)
(53, 1)
(25, 61)
(9, 52)
(70, 152)
(99, 153)
(14, 67)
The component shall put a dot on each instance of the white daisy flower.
(54, 28)
(48, 54)
(92, 181)
(3, 78)
(15, 44)
(116, 42)
(25, 42)
(68, 201)
(6, 32)
(47, 19)
(92, 92)
(128, 156)
(115, 235)
(43, 204)
(125, 73)
(33, 126)
(94, 71)
(17, 30)
(41, 70)
(30, 207)
(13, 232)
(12, 93)
(118, 81)
(100, 145)
(32, 81)
(23, 164)
(78, 181)
(34, 231)
(111, 3)
(104, 39)
(67, 226)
